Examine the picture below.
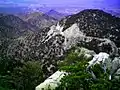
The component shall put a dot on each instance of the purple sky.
(70, 3)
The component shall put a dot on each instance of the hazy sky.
(78, 3)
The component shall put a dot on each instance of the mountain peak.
(94, 12)
(52, 10)
(88, 17)
(57, 15)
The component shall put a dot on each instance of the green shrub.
(19, 75)
(28, 76)
(2, 88)
(80, 79)
(74, 56)
(7, 64)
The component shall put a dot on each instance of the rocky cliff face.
(92, 29)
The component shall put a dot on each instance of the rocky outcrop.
(52, 82)
(115, 69)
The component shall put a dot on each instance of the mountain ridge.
(38, 19)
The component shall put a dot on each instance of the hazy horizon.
(62, 3)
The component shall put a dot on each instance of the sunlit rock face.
(52, 82)
(102, 59)
(92, 29)
(115, 69)
(106, 63)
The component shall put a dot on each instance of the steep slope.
(89, 28)
(95, 23)
(92, 29)
(12, 27)
(56, 14)
(38, 19)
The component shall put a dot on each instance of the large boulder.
(52, 82)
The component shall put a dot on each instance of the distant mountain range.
(38, 19)
(12, 26)
(56, 14)
(114, 12)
